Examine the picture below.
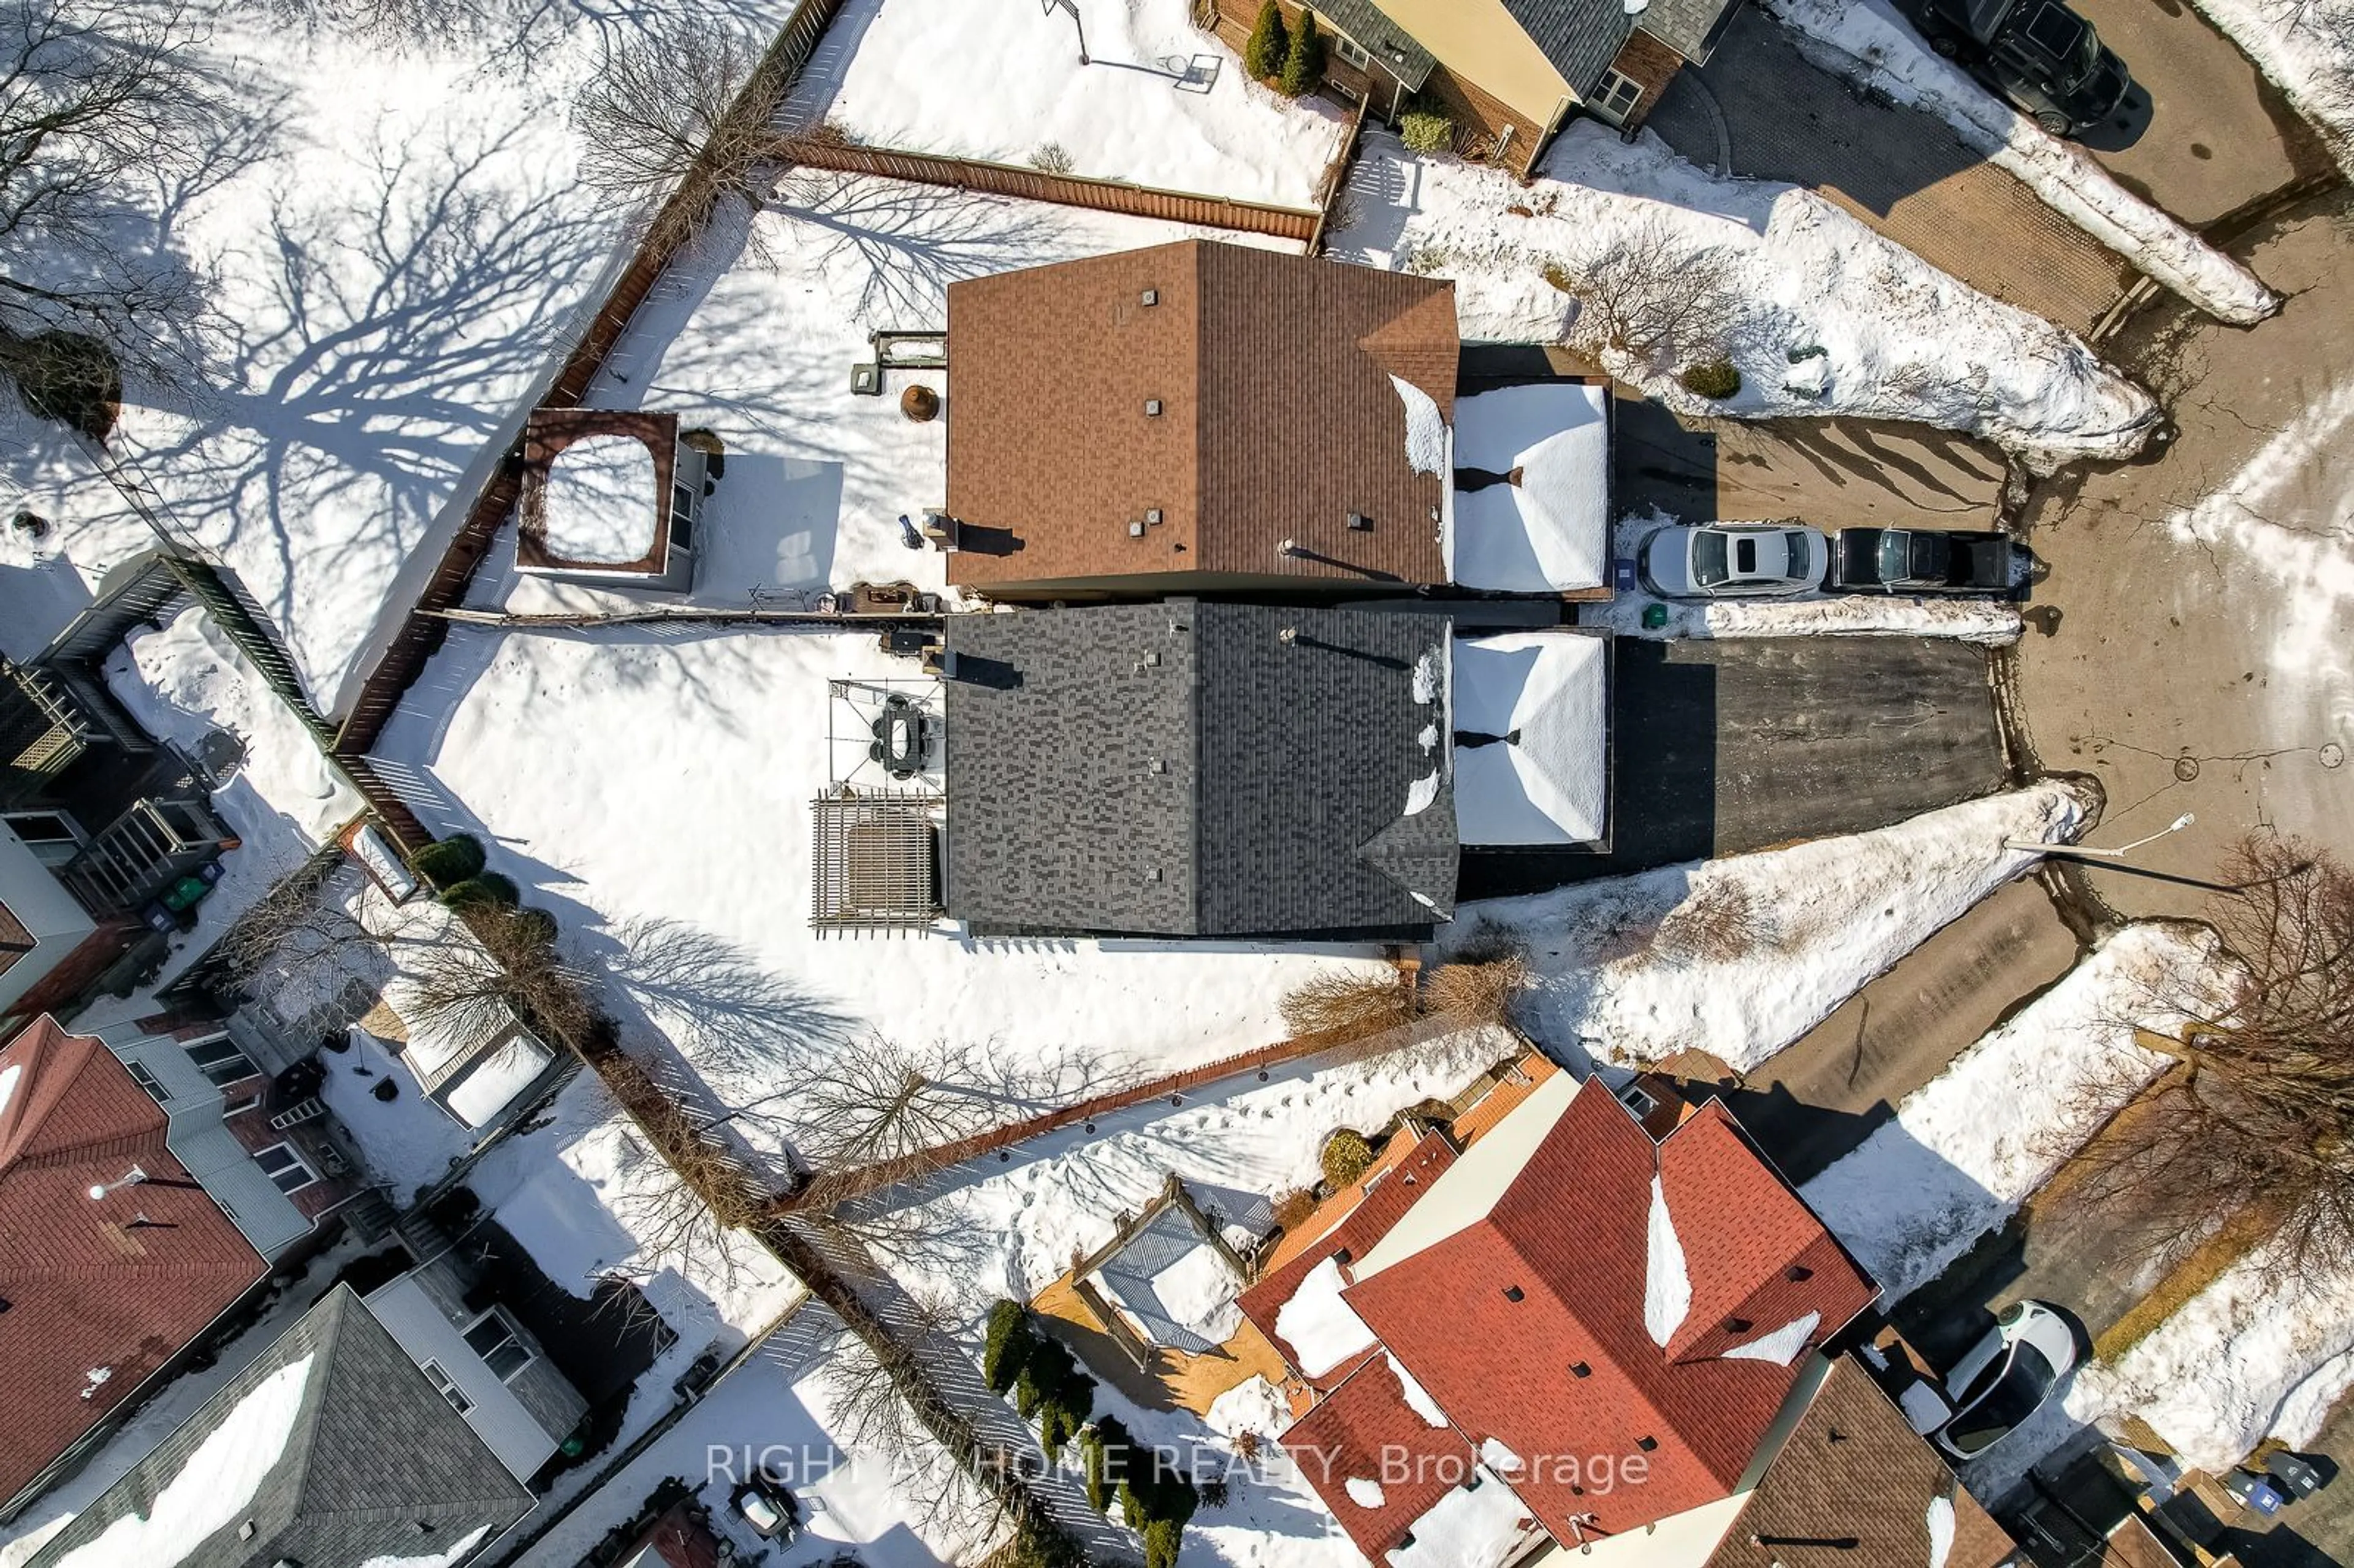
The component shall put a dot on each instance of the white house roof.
(1549, 532)
(1548, 782)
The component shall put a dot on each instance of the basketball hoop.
(1048, 7)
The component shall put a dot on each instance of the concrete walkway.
(1904, 172)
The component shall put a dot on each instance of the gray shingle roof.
(1690, 28)
(377, 1464)
(1400, 54)
(1580, 37)
(1180, 769)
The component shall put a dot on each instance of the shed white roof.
(1551, 532)
(1550, 783)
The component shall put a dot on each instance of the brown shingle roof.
(1278, 418)
(1853, 1470)
(88, 1285)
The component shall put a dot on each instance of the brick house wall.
(1646, 60)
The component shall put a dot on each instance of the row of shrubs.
(1291, 56)
(454, 868)
(1038, 1373)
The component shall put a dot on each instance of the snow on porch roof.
(1547, 779)
(1549, 531)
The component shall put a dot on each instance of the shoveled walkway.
(1904, 172)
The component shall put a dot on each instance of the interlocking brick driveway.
(1904, 172)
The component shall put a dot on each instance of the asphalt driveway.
(1904, 172)
(1723, 747)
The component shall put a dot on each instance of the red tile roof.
(1569, 1236)
(122, 1284)
(1277, 419)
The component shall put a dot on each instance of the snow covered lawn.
(399, 256)
(753, 338)
(1009, 1229)
(1740, 957)
(2265, 1350)
(663, 777)
(1163, 103)
(1867, 40)
(2307, 48)
(1974, 1143)
(1829, 317)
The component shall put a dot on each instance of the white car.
(2005, 1377)
(1733, 560)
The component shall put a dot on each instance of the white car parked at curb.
(2005, 1378)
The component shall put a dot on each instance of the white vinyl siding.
(411, 1316)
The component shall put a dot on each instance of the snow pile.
(8, 1076)
(1365, 1493)
(212, 1487)
(497, 1080)
(2268, 1348)
(1940, 1522)
(1868, 41)
(1743, 955)
(1974, 1143)
(600, 503)
(1897, 338)
(1782, 1346)
(1254, 1404)
(1549, 531)
(1667, 1284)
(1426, 428)
(1321, 1329)
(2306, 48)
(1163, 103)
(1417, 1399)
(458, 1552)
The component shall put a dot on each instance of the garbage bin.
(2294, 1473)
(2255, 1492)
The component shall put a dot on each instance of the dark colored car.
(1923, 561)
(2039, 54)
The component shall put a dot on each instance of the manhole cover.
(2332, 754)
(2186, 768)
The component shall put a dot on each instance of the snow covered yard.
(1973, 1144)
(399, 245)
(651, 787)
(1868, 41)
(1739, 956)
(753, 337)
(1825, 315)
(992, 1229)
(1990, 622)
(2307, 48)
(1163, 103)
(2265, 1351)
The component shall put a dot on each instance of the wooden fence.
(404, 660)
(850, 1185)
(1028, 184)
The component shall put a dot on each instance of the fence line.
(1335, 183)
(422, 631)
(1019, 180)
(851, 1185)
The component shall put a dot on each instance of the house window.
(221, 1063)
(1633, 1097)
(284, 1167)
(148, 1081)
(1616, 97)
(239, 1107)
(51, 836)
(496, 1339)
(1349, 50)
(449, 1391)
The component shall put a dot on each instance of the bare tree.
(1645, 292)
(104, 121)
(512, 968)
(670, 101)
(2253, 1126)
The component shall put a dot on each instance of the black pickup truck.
(1914, 560)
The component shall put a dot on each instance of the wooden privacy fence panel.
(1017, 180)
(673, 225)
